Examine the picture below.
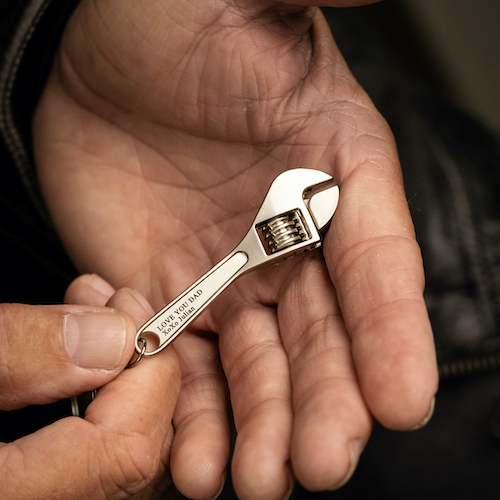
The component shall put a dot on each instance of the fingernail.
(95, 340)
(142, 300)
(99, 284)
(355, 449)
(426, 419)
(223, 483)
(291, 483)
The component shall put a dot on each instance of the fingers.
(376, 266)
(201, 448)
(375, 263)
(381, 282)
(52, 352)
(258, 375)
(89, 289)
(331, 421)
(116, 451)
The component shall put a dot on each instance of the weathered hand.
(53, 352)
(159, 131)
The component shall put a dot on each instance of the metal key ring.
(140, 354)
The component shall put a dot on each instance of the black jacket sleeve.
(33, 265)
(30, 31)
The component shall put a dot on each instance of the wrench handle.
(175, 317)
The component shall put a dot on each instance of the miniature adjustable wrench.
(298, 206)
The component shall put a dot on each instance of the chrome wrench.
(296, 210)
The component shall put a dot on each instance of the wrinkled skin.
(160, 129)
(118, 450)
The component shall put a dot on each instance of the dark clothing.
(34, 266)
(451, 166)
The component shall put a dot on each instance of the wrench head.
(298, 206)
(311, 191)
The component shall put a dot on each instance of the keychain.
(296, 210)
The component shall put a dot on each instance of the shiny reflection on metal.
(79, 403)
(140, 354)
(296, 210)
(283, 231)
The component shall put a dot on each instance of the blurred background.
(455, 43)
(463, 39)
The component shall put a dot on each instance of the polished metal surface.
(297, 208)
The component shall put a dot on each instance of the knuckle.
(9, 378)
(131, 463)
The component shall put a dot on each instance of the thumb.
(52, 352)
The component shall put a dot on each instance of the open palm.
(160, 129)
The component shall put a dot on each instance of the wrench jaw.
(296, 210)
(322, 205)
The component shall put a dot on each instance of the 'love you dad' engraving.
(180, 312)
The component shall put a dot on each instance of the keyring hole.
(152, 341)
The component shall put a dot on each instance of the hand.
(54, 352)
(159, 131)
